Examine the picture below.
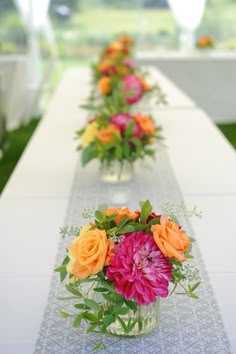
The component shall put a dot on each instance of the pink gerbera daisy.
(139, 270)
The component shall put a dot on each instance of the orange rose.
(205, 41)
(89, 253)
(104, 85)
(104, 134)
(116, 46)
(104, 65)
(126, 40)
(121, 214)
(171, 240)
(144, 84)
(145, 123)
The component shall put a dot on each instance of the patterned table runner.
(187, 326)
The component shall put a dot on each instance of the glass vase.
(116, 171)
(147, 319)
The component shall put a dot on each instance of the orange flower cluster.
(205, 42)
(105, 134)
(145, 123)
(121, 47)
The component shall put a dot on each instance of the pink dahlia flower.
(132, 88)
(140, 270)
(122, 121)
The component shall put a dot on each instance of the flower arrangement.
(205, 42)
(120, 48)
(116, 70)
(122, 261)
(118, 136)
(114, 135)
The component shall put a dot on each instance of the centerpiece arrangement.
(116, 135)
(205, 42)
(118, 138)
(116, 70)
(120, 263)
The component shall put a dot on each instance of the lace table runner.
(187, 326)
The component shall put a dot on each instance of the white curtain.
(34, 16)
(188, 15)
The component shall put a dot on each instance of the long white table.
(34, 203)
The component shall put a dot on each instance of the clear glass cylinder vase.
(116, 171)
(146, 318)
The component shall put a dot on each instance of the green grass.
(229, 130)
(16, 142)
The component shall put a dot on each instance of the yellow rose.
(89, 134)
(89, 253)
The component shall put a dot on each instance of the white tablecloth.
(34, 203)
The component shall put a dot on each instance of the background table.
(34, 203)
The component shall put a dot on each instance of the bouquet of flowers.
(123, 261)
(205, 42)
(118, 136)
(116, 71)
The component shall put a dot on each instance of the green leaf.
(81, 306)
(67, 298)
(131, 325)
(126, 229)
(91, 328)
(73, 290)
(109, 145)
(64, 314)
(146, 209)
(126, 148)
(61, 268)
(130, 129)
(117, 307)
(89, 153)
(123, 222)
(99, 345)
(136, 141)
(131, 304)
(92, 304)
(88, 107)
(123, 310)
(122, 323)
(89, 316)
(139, 227)
(118, 152)
(108, 286)
(195, 286)
(77, 320)
(154, 221)
(101, 290)
(111, 217)
(108, 297)
(63, 274)
(99, 215)
(108, 319)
